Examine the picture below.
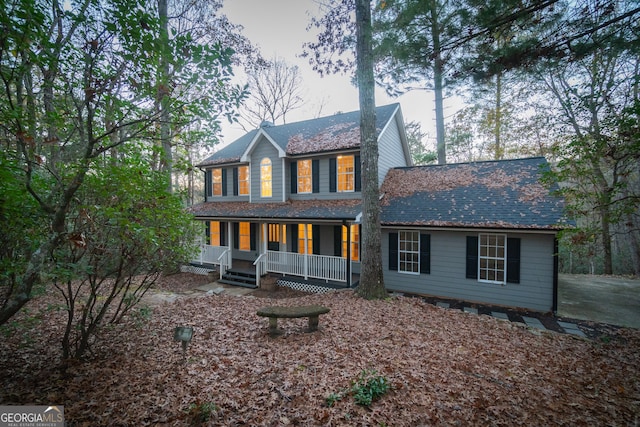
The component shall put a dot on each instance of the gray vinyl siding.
(324, 193)
(265, 149)
(390, 150)
(229, 197)
(447, 278)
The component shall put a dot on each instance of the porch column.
(231, 243)
(348, 254)
(306, 254)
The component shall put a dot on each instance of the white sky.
(278, 28)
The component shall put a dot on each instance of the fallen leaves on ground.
(446, 367)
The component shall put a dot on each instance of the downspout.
(554, 308)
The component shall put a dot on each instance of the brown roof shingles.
(303, 209)
(496, 194)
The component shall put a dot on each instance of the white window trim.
(310, 178)
(213, 183)
(248, 180)
(263, 181)
(504, 259)
(353, 174)
(413, 273)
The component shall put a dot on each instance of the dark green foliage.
(365, 389)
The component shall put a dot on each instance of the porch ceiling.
(292, 209)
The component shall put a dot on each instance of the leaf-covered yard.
(446, 367)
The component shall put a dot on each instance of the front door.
(273, 238)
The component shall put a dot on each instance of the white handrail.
(259, 267)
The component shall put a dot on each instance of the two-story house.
(286, 199)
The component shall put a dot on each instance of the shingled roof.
(504, 194)
(325, 134)
(344, 209)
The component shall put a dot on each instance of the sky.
(278, 28)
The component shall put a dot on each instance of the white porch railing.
(220, 255)
(314, 266)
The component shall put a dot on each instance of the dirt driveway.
(604, 299)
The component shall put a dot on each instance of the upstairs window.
(346, 173)
(304, 176)
(216, 180)
(243, 180)
(265, 177)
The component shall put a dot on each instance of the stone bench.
(313, 312)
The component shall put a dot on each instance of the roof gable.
(324, 134)
(498, 194)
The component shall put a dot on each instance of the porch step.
(239, 278)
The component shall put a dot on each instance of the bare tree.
(274, 91)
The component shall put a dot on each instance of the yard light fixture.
(184, 335)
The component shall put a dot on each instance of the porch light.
(184, 335)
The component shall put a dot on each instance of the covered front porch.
(304, 239)
(296, 251)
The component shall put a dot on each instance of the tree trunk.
(499, 151)
(438, 72)
(166, 160)
(371, 275)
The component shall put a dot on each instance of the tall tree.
(596, 96)
(408, 41)
(78, 81)
(371, 275)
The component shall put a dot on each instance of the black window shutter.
(207, 184)
(294, 177)
(315, 235)
(425, 253)
(358, 174)
(207, 230)
(224, 182)
(223, 234)
(235, 181)
(333, 174)
(337, 240)
(315, 176)
(393, 251)
(253, 233)
(294, 238)
(472, 257)
(513, 260)
(236, 235)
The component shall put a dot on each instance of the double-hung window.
(214, 230)
(409, 252)
(492, 258)
(243, 180)
(355, 241)
(346, 173)
(244, 236)
(305, 229)
(216, 181)
(304, 176)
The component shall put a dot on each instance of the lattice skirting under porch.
(305, 287)
(195, 270)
